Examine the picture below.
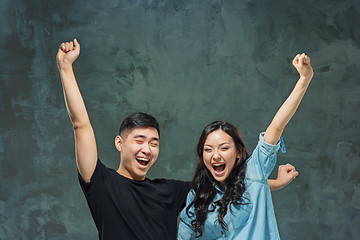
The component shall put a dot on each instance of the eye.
(138, 141)
(224, 148)
(154, 144)
(207, 150)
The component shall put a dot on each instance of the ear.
(119, 143)
(238, 155)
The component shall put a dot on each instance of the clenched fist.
(67, 54)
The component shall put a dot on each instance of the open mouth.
(143, 161)
(219, 168)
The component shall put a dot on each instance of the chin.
(220, 179)
(140, 174)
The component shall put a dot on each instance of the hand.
(302, 65)
(286, 174)
(67, 54)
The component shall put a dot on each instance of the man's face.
(139, 150)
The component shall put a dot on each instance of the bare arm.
(286, 174)
(85, 144)
(287, 110)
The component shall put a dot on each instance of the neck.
(127, 174)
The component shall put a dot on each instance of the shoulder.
(101, 168)
(100, 176)
(102, 172)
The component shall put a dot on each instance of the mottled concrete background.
(187, 63)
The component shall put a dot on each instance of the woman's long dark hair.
(204, 183)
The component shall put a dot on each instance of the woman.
(231, 198)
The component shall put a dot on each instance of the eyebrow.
(144, 137)
(208, 145)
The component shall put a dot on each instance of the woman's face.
(219, 155)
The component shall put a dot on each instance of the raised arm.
(85, 144)
(287, 110)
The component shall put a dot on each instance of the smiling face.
(139, 150)
(219, 155)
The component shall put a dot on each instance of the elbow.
(80, 125)
(76, 125)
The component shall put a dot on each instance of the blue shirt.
(255, 220)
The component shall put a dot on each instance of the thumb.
(76, 45)
(296, 59)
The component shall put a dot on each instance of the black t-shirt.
(127, 209)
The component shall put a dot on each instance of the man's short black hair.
(139, 119)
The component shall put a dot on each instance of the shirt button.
(222, 232)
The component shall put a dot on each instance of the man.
(124, 203)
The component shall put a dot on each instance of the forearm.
(73, 99)
(286, 111)
(273, 185)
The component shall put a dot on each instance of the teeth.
(143, 159)
(218, 164)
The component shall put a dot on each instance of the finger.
(67, 47)
(294, 174)
(293, 171)
(304, 57)
(296, 59)
(301, 59)
(289, 167)
(307, 60)
(71, 45)
(62, 46)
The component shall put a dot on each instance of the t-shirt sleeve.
(263, 158)
(185, 230)
(182, 190)
(99, 175)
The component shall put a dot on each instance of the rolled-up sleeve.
(263, 157)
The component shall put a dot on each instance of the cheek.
(231, 165)
(155, 152)
(231, 160)
(134, 150)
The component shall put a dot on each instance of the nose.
(146, 149)
(216, 156)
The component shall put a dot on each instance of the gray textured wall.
(187, 63)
